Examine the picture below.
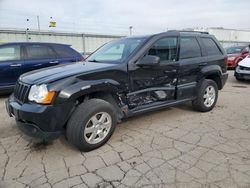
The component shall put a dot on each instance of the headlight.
(237, 68)
(40, 94)
(231, 58)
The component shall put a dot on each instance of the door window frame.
(156, 40)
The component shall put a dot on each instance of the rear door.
(38, 56)
(190, 59)
(10, 64)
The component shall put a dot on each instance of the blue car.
(19, 58)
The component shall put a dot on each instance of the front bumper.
(242, 74)
(40, 121)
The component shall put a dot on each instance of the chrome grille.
(21, 92)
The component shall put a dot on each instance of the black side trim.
(156, 105)
(170, 88)
(187, 85)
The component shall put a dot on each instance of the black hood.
(51, 74)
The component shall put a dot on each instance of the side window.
(8, 53)
(37, 51)
(189, 48)
(165, 49)
(211, 47)
(63, 51)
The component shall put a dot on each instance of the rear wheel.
(92, 124)
(206, 97)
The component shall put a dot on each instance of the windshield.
(115, 51)
(234, 50)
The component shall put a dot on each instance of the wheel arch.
(102, 89)
(214, 73)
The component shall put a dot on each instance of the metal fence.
(82, 42)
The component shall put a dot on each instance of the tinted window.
(211, 47)
(37, 51)
(165, 49)
(8, 53)
(63, 51)
(189, 48)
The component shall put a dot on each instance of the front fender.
(81, 88)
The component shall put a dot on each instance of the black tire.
(199, 103)
(239, 79)
(80, 118)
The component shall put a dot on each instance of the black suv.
(123, 78)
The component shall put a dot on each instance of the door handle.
(53, 62)
(16, 65)
(170, 71)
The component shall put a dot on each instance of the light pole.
(130, 30)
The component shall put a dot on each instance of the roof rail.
(188, 31)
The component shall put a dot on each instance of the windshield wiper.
(93, 60)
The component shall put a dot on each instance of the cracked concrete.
(175, 147)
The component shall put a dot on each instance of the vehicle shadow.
(4, 95)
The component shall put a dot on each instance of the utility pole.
(38, 24)
(39, 29)
(130, 30)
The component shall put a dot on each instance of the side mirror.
(148, 60)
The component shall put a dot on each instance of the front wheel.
(91, 125)
(206, 97)
(238, 78)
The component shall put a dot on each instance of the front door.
(157, 83)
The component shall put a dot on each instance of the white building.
(229, 37)
(87, 43)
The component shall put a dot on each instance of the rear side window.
(37, 51)
(211, 47)
(189, 48)
(64, 51)
(8, 53)
(165, 49)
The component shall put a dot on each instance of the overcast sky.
(115, 16)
